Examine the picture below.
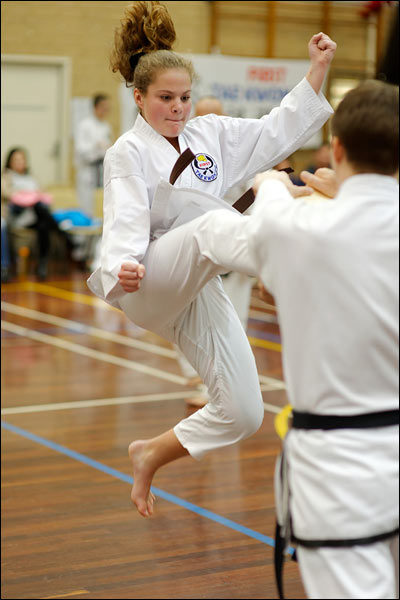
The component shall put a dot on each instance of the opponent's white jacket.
(333, 270)
(227, 151)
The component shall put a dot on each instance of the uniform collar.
(145, 130)
(364, 183)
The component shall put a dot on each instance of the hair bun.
(146, 27)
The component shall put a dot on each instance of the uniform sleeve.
(272, 233)
(254, 145)
(126, 226)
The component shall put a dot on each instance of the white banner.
(247, 87)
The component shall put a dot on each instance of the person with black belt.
(332, 268)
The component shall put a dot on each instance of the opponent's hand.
(295, 190)
(130, 276)
(321, 50)
(324, 180)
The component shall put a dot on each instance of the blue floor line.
(128, 479)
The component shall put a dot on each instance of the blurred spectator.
(27, 205)
(322, 159)
(208, 105)
(92, 139)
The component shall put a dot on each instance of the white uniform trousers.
(238, 288)
(364, 572)
(182, 299)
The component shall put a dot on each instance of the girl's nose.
(177, 106)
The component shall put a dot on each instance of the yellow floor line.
(265, 344)
(69, 595)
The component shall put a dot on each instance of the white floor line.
(258, 315)
(269, 388)
(36, 408)
(18, 410)
(78, 349)
(48, 339)
(114, 337)
(274, 383)
(82, 328)
(272, 408)
(257, 302)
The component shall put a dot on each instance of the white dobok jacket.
(333, 270)
(227, 150)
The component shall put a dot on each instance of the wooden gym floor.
(80, 383)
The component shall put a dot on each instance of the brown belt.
(184, 161)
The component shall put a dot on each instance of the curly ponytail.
(146, 30)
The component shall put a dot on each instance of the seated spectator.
(27, 205)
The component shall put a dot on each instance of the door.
(33, 105)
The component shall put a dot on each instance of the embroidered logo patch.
(205, 167)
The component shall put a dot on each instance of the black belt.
(303, 420)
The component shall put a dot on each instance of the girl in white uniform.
(152, 268)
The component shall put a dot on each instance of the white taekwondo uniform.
(93, 137)
(333, 270)
(180, 296)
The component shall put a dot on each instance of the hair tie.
(134, 59)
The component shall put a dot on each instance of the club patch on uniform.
(205, 167)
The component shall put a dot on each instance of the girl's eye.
(185, 98)
(165, 97)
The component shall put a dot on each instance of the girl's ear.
(138, 96)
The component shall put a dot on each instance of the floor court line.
(110, 358)
(128, 479)
(257, 315)
(86, 299)
(117, 338)
(87, 329)
(67, 595)
(73, 405)
(55, 292)
(103, 356)
(18, 410)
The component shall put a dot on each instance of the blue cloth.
(77, 217)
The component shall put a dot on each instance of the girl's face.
(18, 162)
(167, 104)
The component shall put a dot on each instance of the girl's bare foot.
(143, 472)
